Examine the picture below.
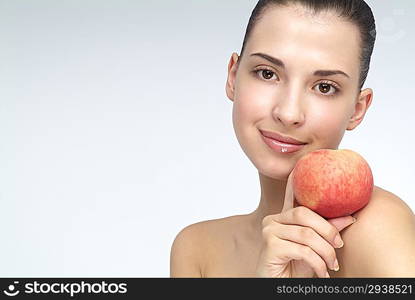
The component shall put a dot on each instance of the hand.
(298, 242)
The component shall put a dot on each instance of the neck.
(271, 202)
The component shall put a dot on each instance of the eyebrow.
(278, 62)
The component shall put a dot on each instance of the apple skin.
(333, 183)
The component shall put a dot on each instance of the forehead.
(301, 39)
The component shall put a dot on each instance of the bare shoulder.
(383, 210)
(381, 243)
(197, 243)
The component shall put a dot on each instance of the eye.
(327, 88)
(265, 74)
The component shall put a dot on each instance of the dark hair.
(355, 11)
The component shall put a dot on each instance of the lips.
(281, 138)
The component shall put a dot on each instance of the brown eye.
(324, 88)
(267, 74)
(327, 89)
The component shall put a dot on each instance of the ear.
(362, 105)
(230, 82)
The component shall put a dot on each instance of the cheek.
(328, 124)
(250, 105)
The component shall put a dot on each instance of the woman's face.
(292, 99)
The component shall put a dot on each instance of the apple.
(333, 183)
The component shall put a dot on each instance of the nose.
(289, 110)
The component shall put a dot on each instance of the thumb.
(289, 194)
(342, 222)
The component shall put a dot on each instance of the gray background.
(116, 131)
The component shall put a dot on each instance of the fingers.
(296, 251)
(308, 237)
(298, 233)
(342, 222)
(304, 216)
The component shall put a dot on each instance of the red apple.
(333, 183)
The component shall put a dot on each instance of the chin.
(274, 165)
(276, 168)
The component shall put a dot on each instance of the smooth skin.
(280, 238)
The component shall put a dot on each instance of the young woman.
(300, 76)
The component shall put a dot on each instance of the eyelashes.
(331, 85)
(262, 72)
(259, 72)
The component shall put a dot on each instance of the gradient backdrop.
(116, 132)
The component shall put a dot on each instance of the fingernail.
(338, 242)
(336, 265)
(327, 275)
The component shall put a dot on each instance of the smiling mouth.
(282, 146)
(281, 138)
